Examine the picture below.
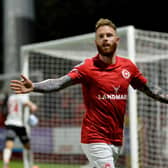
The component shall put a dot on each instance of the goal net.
(56, 140)
(152, 59)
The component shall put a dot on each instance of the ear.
(117, 39)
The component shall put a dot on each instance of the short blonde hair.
(104, 22)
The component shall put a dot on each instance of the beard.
(108, 52)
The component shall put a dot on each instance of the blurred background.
(32, 21)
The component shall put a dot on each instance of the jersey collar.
(97, 63)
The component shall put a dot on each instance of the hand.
(24, 85)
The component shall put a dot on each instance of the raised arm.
(155, 92)
(25, 85)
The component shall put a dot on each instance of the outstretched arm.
(26, 85)
(50, 85)
(155, 92)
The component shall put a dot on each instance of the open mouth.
(106, 45)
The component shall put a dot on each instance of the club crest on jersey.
(125, 73)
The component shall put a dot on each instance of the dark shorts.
(13, 131)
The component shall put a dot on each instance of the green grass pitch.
(19, 164)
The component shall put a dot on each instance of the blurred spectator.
(16, 126)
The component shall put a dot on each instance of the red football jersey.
(105, 92)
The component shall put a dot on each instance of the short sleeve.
(138, 80)
(78, 73)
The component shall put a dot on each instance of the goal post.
(60, 113)
(133, 124)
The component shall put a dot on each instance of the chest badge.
(126, 74)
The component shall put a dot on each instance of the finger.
(16, 81)
(15, 88)
(24, 77)
(18, 92)
(15, 85)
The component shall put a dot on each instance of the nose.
(105, 38)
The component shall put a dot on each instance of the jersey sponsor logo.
(126, 74)
(112, 96)
(116, 89)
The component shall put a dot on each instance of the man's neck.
(108, 59)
